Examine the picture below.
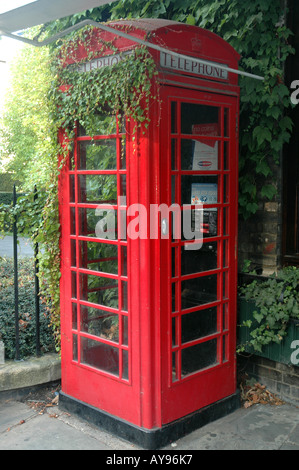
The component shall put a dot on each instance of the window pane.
(199, 291)
(125, 374)
(200, 155)
(99, 257)
(99, 290)
(98, 124)
(74, 317)
(199, 189)
(199, 357)
(99, 323)
(125, 324)
(75, 348)
(98, 223)
(173, 117)
(100, 356)
(99, 155)
(72, 188)
(199, 324)
(124, 266)
(198, 225)
(200, 119)
(196, 261)
(97, 189)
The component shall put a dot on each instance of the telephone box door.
(198, 257)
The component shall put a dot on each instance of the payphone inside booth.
(149, 315)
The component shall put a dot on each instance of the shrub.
(27, 327)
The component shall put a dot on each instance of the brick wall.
(280, 379)
(260, 237)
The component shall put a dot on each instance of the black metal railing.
(16, 286)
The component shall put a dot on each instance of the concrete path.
(25, 248)
(261, 427)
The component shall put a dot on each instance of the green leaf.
(268, 191)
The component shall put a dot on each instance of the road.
(25, 248)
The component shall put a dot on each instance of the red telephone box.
(149, 323)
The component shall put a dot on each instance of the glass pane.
(97, 189)
(124, 268)
(200, 155)
(198, 119)
(73, 253)
(100, 356)
(225, 253)
(75, 348)
(175, 331)
(199, 291)
(174, 117)
(174, 155)
(123, 153)
(99, 290)
(98, 124)
(125, 330)
(175, 360)
(98, 223)
(72, 188)
(196, 261)
(125, 374)
(199, 324)
(99, 323)
(225, 317)
(197, 225)
(73, 221)
(226, 156)
(99, 155)
(224, 349)
(199, 357)
(175, 306)
(124, 296)
(226, 122)
(74, 285)
(225, 221)
(99, 257)
(225, 285)
(123, 190)
(199, 189)
(74, 317)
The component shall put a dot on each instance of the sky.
(8, 47)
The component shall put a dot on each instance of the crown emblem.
(196, 44)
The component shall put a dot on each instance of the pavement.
(32, 420)
(25, 248)
(37, 423)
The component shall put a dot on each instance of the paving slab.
(22, 428)
(262, 427)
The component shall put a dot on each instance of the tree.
(26, 125)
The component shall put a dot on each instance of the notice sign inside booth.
(205, 152)
(206, 193)
(181, 64)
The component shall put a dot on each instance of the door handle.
(164, 227)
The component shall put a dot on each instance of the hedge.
(26, 311)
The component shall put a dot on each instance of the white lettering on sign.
(190, 66)
(101, 62)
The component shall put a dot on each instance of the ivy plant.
(277, 302)
(255, 29)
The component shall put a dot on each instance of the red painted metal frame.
(199, 389)
(149, 398)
